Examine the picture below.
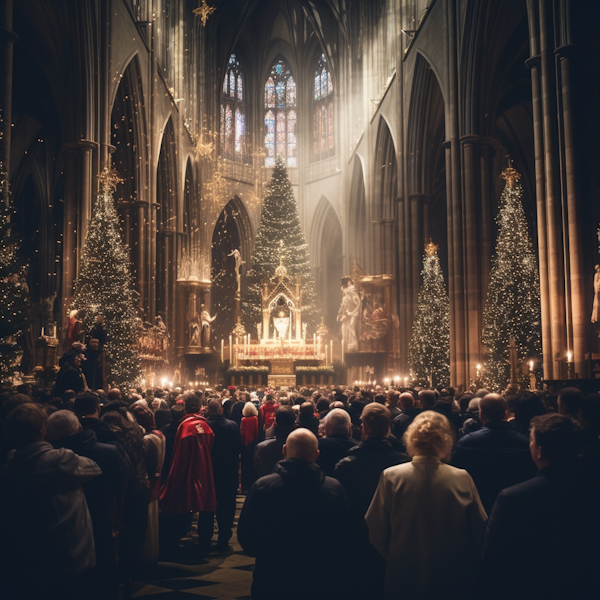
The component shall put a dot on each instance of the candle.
(315, 344)
(42, 332)
(230, 350)
(325, 355)
(331, 351)
(569, 356)
(222, 348)
(531, 365)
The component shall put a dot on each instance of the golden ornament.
(431, 248)
(109, 179)
(204, 11)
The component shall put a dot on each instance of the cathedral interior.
(395, 119)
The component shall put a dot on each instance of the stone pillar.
(80, 188)
(575, 251)
(485, 226)
(471, 172)
(451, 284)
(7, 40)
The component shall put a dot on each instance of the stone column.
(579, 316)
(451, 284)
(471, 171)
(7, 40)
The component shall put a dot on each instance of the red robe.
(190, 485)
(266, 414)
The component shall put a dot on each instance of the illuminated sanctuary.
(395, 125)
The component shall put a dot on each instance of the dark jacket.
(92, 369)
(268, 453)
(544, 533)
(279, 539)
(235, 411)
(68, 378)
(332, 449)
(225, 452)
(496, 457)
(103, 432)
(169, 431)
(359, 472)
(403, 420)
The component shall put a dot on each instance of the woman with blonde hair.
(249, 439)
(426, 518)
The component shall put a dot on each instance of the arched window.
(280, 115)
(233, 116)
(323, 112)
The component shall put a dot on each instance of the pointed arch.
(327, 256)
(384, 209)
(358, 234)
(166, 225)
(128, 136)
(232, 231)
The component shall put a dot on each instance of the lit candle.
(569, 356)
(325, 355)
(331, 351)
(531, 365)
(222, 348)
(230, 350)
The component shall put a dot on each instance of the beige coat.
(427, 521)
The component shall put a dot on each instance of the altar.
(281, 347)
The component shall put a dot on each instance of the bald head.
(302, 444)
(60, 424)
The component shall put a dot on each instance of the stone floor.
(224, 576)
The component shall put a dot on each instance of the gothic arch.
(358, 233)
(384, 209)
(327, 256)
(166, 225)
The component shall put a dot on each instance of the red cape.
(190, 485)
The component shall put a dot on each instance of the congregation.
(350, 492)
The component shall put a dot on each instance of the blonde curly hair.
(430, 434)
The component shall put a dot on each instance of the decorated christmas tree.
(429, 347)
(512, 308)
(279, 222)
(105, 285)
(14, 296)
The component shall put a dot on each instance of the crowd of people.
(350, 493)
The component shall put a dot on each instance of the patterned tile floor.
(223, 576)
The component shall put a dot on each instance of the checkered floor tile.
(223, 576)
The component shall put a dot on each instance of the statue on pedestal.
(596, 305)
(238, 263)
(206, 320)
(348, 315)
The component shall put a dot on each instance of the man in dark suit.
(496, 456)
(225, 458)
(542, 536)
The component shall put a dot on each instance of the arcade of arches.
(395, 120)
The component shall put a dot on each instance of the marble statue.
(348, 315)
(206, 320)
(238, 263)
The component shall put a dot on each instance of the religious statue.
(238, 263)
(194, 330)
(348, 315)
(206, 320)
(75, 332)
(596, 305)
(281, 324)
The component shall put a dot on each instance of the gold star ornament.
(109, 179)
(431, 248)
(204, 11)
(511, 175)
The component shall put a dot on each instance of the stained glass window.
(280, 115)
(233, 119)
(323, 146)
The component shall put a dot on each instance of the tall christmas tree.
(512, 308)
(14, 296)
(105, 285)
(279, 222)
(429, 347)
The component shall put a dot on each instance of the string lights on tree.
(279, 222)
(429, 347)
(14, 293)
(105, 285)
(512, 308)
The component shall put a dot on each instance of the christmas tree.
(429, 347)
(279, 222)
(105, 285)
(512, 308)
(14, 296)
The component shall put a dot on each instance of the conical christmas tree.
(512, 308)
(105, 285)
(279, 222)
(14, 296)
(429, 347)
